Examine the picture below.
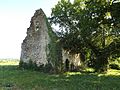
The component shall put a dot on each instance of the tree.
(92, 25)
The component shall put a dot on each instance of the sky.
(15, 16)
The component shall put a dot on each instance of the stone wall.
(40, 44)
(74, 59)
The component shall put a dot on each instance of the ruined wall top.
(37, 23)
(39, 12)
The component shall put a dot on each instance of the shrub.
(114, 66)
(33, 66)
(48, 68)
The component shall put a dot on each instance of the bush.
(33, 66)
(48, 68)
(114, 66)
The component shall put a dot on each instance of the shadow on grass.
(9, 67)
(13, 77)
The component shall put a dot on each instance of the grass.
(12, 78)
(12, 62)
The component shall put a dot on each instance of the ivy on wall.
(55, 54)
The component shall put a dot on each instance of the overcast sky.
(15, 18)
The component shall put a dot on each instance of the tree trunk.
(101, 63)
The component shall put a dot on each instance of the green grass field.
(12, 78)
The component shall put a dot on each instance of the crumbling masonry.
(42, 47)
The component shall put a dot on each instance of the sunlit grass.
(110, 72)
(9, 62)
(13, 78)
(113, 72)
(72, 73)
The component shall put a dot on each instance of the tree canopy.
(89, 26)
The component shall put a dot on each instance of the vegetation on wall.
(55, 54)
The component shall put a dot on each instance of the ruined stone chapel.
(41, 46)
